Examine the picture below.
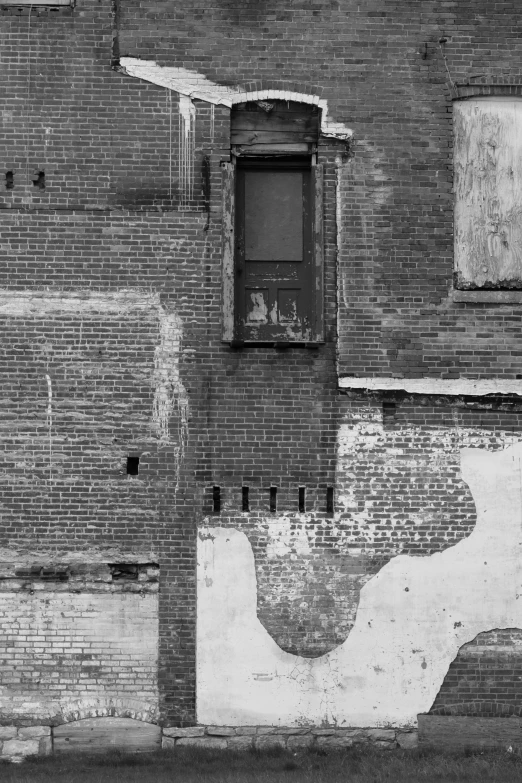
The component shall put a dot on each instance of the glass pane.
(273, 215)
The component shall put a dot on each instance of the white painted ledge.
(196, 86)
(443, 386)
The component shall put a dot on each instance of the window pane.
(273, 215)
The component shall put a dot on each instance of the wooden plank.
(318, 325)
(276, 121)
(271, 137)
(273, 149)
(228, 250)
(97, 735)
(460, 732)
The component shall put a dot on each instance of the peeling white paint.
(39, 303)
(444, 386)
(187, 144)
(169, 390)
(196, 86)
(413, 617)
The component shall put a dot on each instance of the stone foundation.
(18, 742)
(262, 737)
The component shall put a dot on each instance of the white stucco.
(413, 617)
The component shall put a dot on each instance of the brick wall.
(88, 640)
(109, 220)
(484, 678)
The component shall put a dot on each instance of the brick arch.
(139, 709)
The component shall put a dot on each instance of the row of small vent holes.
(38, 180)
(245, 499)
(133, 470)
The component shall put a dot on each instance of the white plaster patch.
(449, 386)
(413, 617)
(196, 86)
(288, 535)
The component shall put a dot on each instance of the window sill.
(494, 297)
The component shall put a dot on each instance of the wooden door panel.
(274, 258)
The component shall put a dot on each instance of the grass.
(188, 765)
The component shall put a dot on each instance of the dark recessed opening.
(273, 499)
(133, 466)
(329, 500)
(124, 571)
(216, 499)
(39, 180)
(389, 411)
(245, 502)
(9, 180)
(302, 492)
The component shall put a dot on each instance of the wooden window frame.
(230, 331)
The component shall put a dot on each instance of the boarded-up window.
(488, 193)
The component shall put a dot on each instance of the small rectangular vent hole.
(9, 180)
(302, 503)
(39, 180)
(329, 500)
(133, 466)
(216, 499)
(273, 499)
(245, 502)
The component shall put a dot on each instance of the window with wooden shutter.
(273, 271)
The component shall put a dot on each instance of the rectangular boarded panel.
(98, 735)
(460, 732)
(488, 193)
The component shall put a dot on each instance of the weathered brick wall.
(109, 220)
(484, 679)
(86, 642)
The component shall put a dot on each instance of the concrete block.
(300, 741)
(32, 732)
(382, 735)
(408, 739)
(221, 731)
(191, 731)
(296, 730)
(240, 743)
(246, 730)
(16, 747)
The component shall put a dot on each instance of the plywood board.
(488, 193)
(97, 735)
